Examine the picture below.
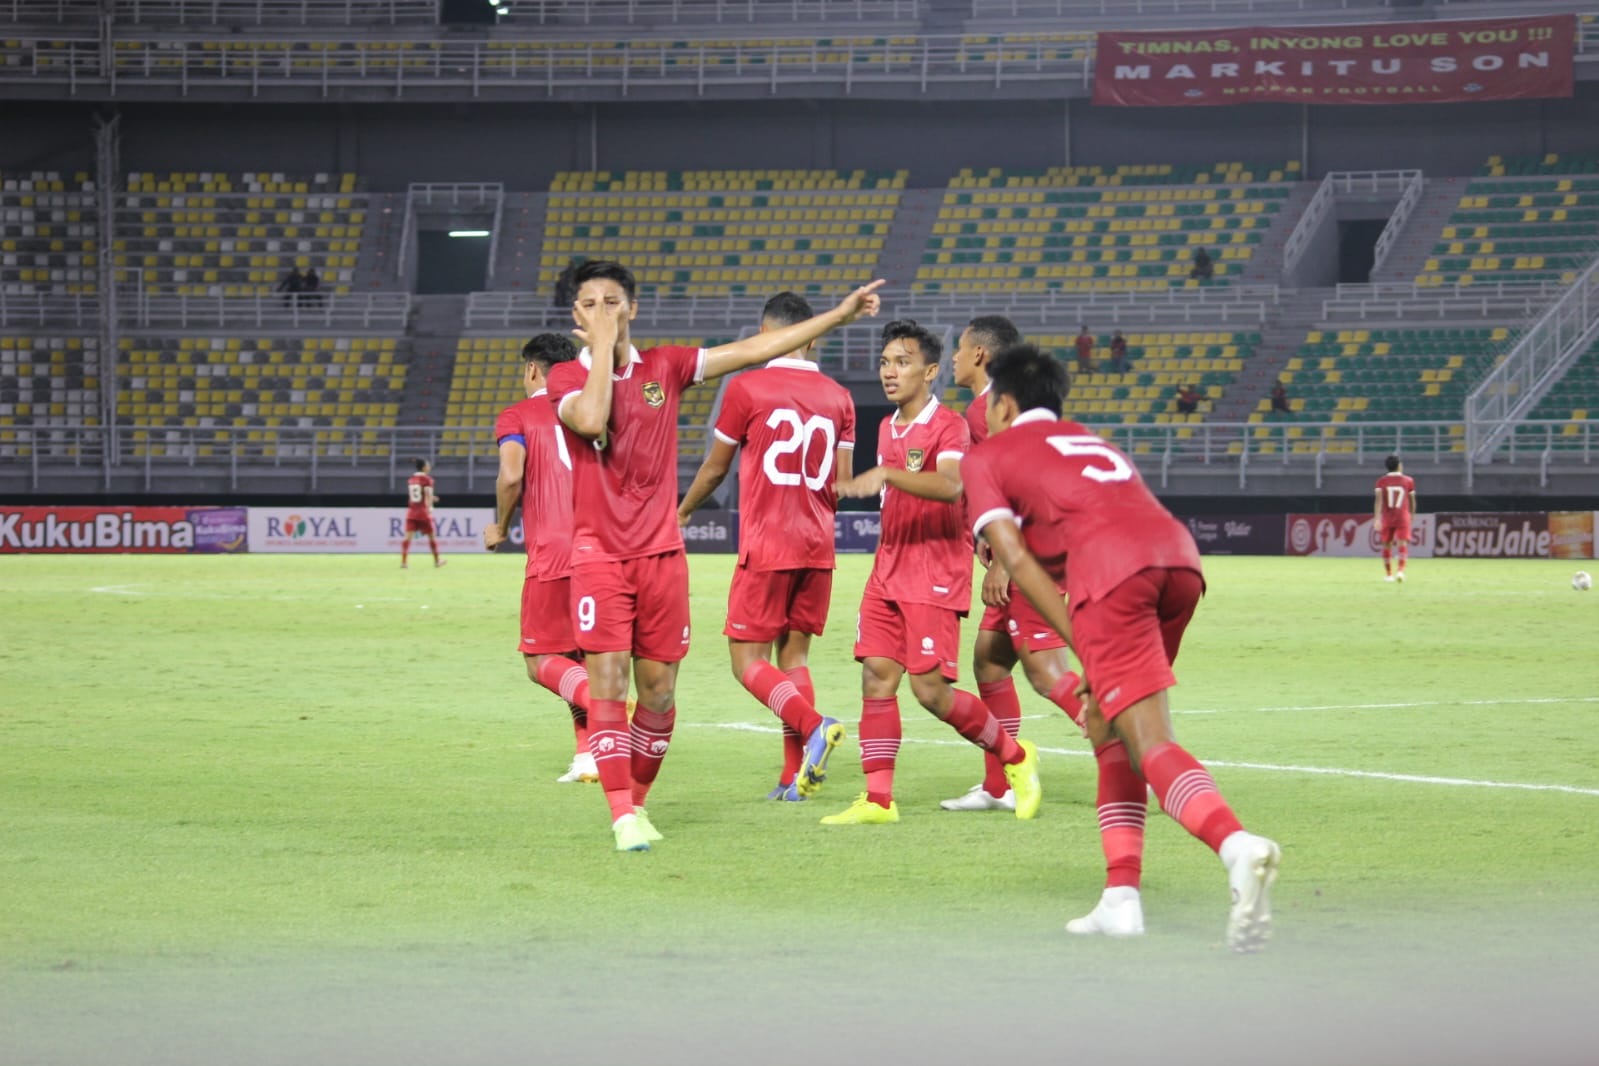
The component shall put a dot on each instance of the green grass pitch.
(302, 809)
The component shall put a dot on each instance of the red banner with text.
(1392, 63)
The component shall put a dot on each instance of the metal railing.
(1315, 213)
(276, 12)
(700, 12)
(1540, 357)
(516, 311)
(1421, 305)
(1164, 452)
(365, 312)
(1414, 185)
(1096, 9)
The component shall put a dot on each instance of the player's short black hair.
(548, 349)
(787, 309)
(994, 332)
(1030, 376)
(902, 329)
(421, 464)
(1391, 463)
(608, 269)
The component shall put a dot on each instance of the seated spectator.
(312, 287)
(1279, 397)
(1085, 351)
(1118, 353)
(1189, 399)
(1203, 269)
(292, 286)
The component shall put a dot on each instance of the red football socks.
(779, 692)
(801, 676)
(652, 735)
(612, 745)
(1187, 793)
(1063, 694)
(1000, 698)
(880, 736)
(1122, 803)
(1387, 559)
(973, 720)
(793, 742)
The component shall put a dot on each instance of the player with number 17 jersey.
(789, 419)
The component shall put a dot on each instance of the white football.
(1582, 581)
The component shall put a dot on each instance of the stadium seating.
(488, 378)
(177, 386)
(1385, 375)
(752, 231)
(1521, 220)
(1133, 227)
(1575, 398)
(203, 234)
(47, 239)
(1157, 364)
(45, 382)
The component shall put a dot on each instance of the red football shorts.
(418, 525)
(920, 637)
(636, 605)
(1022, 623)
(1394, 529)
(547, 617)
(1128, 639)
(762, 605)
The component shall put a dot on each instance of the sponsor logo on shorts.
(737, 625)
(654, 395)
(927, 644)
(914, 459)
(685, 634)
(1015, 630)
(1041, 636)
(1110, 697)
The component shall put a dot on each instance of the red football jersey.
(624, 486)
(976, 416)
(925, 552)
(546, 484)
(1085, 513)
(1394, 495)
(790, 420)
(418, 503)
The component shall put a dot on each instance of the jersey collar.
(924, 416)
(1035, 414)
(633, 356)
(793, 364)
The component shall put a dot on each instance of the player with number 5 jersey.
(796, 429)
(1055, 500)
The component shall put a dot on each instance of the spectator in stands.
(312, 287)
(1189, 399)
(292, 286)
(1118, 353)
(1085, 351)
(1279, 397)
(1203, 269)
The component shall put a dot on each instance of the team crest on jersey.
(654, 395)
(914, 459)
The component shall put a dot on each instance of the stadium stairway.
(1280, 337)
(374, 260)
(516, 258)
(1266, 265)
(435, 326)
(907, 236)
(1438, 199)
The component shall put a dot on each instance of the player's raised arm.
(718, 461)
(1010, 551)
(586, 413)
(507, 491)
(769, 344)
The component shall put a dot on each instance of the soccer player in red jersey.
(1011, 631)
(1392, 510)
(536, 470)
(629, 573)
(419, 501)
(797, 431)
(921, 583)
(1055, 501)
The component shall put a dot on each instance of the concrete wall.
(523, 145)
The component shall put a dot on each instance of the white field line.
(1325, 771)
